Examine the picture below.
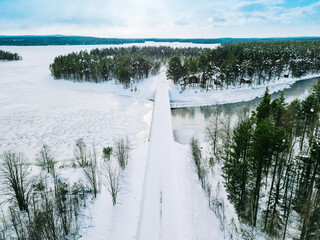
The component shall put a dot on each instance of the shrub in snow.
(122, 148)
(80, 153)
(91, 172)
(45, 159)
(113, 179)
(106, 153)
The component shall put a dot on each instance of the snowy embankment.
(199, 97)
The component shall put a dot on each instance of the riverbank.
(196, 97)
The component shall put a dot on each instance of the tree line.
(247, 63)
(272, 166)
(126, 65)
(5, 55)
(81, 40)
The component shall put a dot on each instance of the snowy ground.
(36, 109)
(163, 199)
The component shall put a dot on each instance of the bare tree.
(244, 113)
(43, 213)
(197, 160)
(113, 180)
(80, 153)
(17, 221)
(15, 178)
(213, 129)
(226, 134)
(91, 172)
(45, 159)
(4, 227)
(122, 151)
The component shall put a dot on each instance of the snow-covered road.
(172, 203)
(159, 215)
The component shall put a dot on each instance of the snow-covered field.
(36, 109)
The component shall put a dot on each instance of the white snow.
(198, 97)
(163, 199)
(158, 218)
(173, 205)
(119, 221)
(36, 109)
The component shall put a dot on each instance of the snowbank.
(198, 97)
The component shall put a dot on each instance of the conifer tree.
(261, 157)
(263, 110)
(175, 69)
(236, 168)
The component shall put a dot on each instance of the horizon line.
(143, 38)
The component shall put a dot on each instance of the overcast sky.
(161, 18)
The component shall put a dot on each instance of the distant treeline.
(123, 64)
(4, 55)
(249, 62)
(79, 40)
(61, 40)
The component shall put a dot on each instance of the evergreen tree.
(277, 110)
(236, 168)
(175, 69)
(270, 156)
(280, 145)
(310, 209)
(263, 109)
(123, 75)
(261, 157)
(8, 56)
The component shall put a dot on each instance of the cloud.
(294, 14)
(156, 18)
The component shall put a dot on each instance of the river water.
(191, 121)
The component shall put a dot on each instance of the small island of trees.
(8, 56)
(125, 65)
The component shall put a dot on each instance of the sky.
(161, 18)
